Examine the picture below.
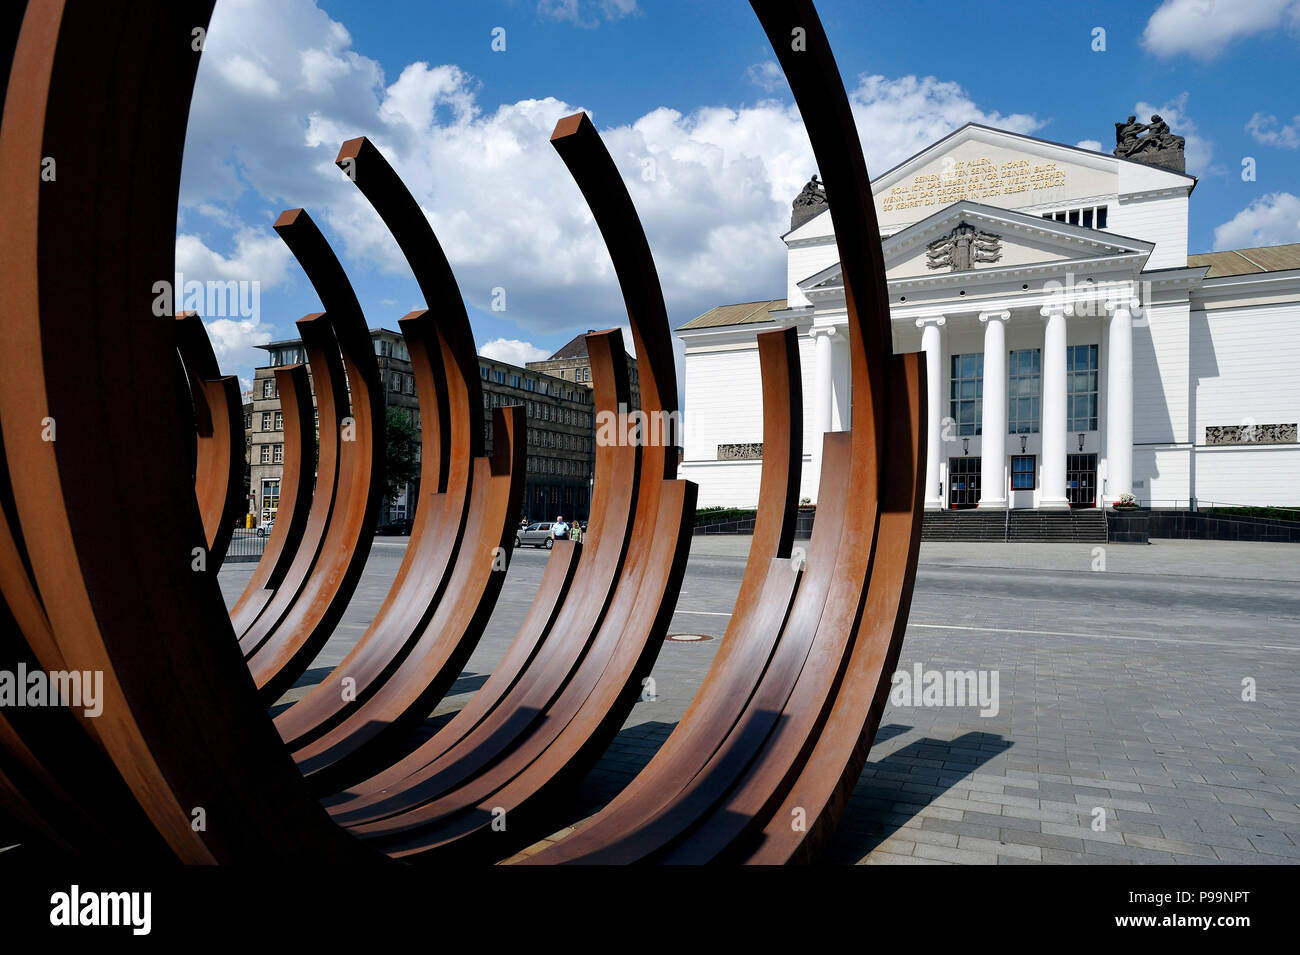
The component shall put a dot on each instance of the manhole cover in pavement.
(687, 637)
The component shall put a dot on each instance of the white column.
(823, 387)
(841, 394)
(932, 345)
(1052, 490)
(1119, 400)
(993, 440)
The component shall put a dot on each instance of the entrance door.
(963, 482)
(1081, 480)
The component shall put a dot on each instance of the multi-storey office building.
(571, 363)
(266, 427)
(561, 427)
(561, 436)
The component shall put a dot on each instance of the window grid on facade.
(966, 391)
(266, 421)
(1025, 381)
(266, 454)
(1022, 472)
(1081, 372)
(279, 421)
(277, 454)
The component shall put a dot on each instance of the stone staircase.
(963, 526)
(1019, 525)
(1086, 525)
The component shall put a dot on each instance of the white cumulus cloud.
(1273, 219)
(712, 186)
(512, 351)
(1090, 144)
(1205, 28)
(1267, 132)
(235, 341)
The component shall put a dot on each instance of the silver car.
(539, 535)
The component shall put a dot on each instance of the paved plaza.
(1121, 672)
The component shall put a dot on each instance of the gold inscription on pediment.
(975, 179)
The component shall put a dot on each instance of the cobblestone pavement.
(1120, 674)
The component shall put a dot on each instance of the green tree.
(402, 460)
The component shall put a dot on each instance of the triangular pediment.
(1010, 171)
(997, 168)
(970, 237)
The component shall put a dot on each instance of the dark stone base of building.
(1128, 527)
(1079, 526)
(1207, 525)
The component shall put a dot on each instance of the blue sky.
(705, 133)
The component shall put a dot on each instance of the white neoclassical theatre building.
(1074, 350)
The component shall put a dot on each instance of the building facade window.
(966, 391)
(1022, 472)
(1090, 217)
(279, 421)
(266, 421)
(277, 454)
(266, 454)
(270, 498)
(268, 387)
(1081, 367)
(1025, 372)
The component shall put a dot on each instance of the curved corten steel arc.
(887, 432)
(181, 719)
(219, 421)
(785, 717)
(56, 782)
(257, 618)
(446, 370)
(285, 644)
(799, 720)
(505, 717)
(766, 590)
(296, 483)
(580, 722)
(370, 736)
(422, 578)
(742, 785)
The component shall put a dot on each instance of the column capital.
(829, 331)
(1000, 316)
(938, 320)
(1055, 308)
(1129, 304)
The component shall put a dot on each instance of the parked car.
(264, 529)
(395, 528)
(539, 535)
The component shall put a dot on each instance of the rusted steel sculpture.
(759, 768)
(219, 424)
